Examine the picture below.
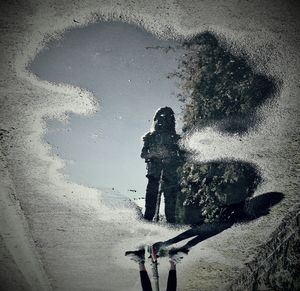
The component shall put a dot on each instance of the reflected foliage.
(214, 191)
(220, 88)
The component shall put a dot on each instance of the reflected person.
(162, 156)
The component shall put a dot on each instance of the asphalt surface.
(62, 236)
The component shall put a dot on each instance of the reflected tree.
(220, 88)
(211, 192)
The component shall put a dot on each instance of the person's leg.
(201, 232)
(206, 231)
(186, 234)
(170, 189)
(139, 257)
(145, 281)
(172, 278)
(151, 197)
(175, 257)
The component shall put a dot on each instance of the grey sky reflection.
(126, 69)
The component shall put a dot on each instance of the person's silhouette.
(162, 155)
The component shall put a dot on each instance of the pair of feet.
(175, 254)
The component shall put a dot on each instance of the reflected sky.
(126, 69)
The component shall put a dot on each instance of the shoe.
(137, 256)
(177, 254)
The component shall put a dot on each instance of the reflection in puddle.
(127, 69)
